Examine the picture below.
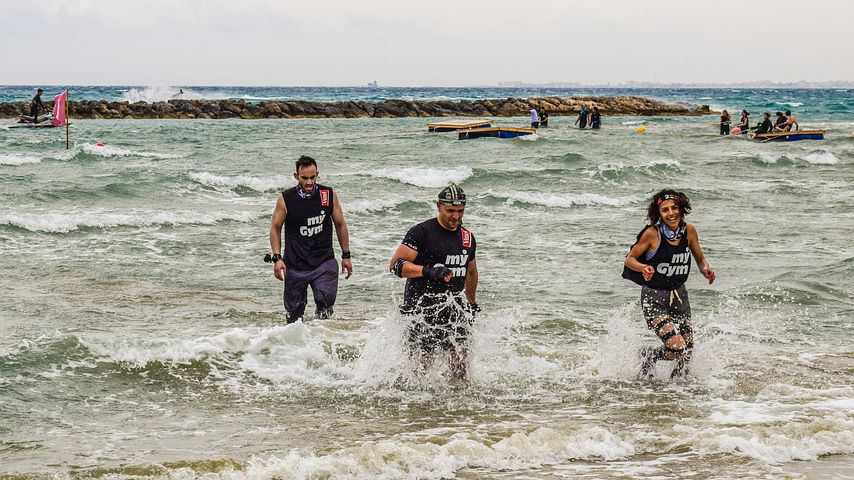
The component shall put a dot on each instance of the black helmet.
(452, 195)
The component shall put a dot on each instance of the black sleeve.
(473, 251)
(414, 238)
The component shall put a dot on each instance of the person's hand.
(279, 270)
(439, 273)
(709, 274)
(648, 272)
(473, 309)
(347, 266)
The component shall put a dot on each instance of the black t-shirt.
(308, 228)
(437, 246)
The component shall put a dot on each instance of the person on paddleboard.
(437, 259)
(659, 261)
(36, 106)
(308, 211)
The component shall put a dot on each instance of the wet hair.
(305, 161)
(788, 112)
(681, 200)
(745, 112)
(779, 114)
(39, 91)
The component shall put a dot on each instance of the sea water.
(143, 335)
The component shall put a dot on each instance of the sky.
(422, 43)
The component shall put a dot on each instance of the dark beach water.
(143, 335)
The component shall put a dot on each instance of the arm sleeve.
(414, 238)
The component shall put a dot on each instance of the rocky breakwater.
(219, 109)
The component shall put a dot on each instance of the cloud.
(444, 42)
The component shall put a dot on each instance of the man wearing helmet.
(437, 259)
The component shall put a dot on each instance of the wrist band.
(276, 257)
(345, 254)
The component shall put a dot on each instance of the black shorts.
(673, 304)
(446, 327)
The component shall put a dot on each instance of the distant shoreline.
(224, 109)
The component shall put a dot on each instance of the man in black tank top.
(308, 212)
(437, 259)
(660, 261)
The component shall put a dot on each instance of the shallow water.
(144, 335)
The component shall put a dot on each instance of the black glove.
(436, 273)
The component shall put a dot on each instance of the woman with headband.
(659, 262)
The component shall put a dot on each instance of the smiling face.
(670, 213)
(450, 216)
(306, 177)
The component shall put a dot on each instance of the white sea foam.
(104, 150)
(792, 104)
(259, 184)
(770, 157)
(15, 159)
(403, 458)
(371, 205)
(165, 93)
(425, 176)
(70, 221)
(822, 158)
(562, 199)
(801, 439)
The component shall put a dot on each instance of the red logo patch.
(324, 198)
(466, 237)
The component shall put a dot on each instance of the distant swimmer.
(180, 92)
(544, 117)
(726, 120)
(660, 261)
(308, 212)
(36, 106)
(595, 119)
(437, 259)
(581, 121)
(535, 118)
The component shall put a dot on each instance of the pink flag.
(59, 108)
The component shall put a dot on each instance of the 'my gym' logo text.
(314, 225)
(460, 260)
(678, 264)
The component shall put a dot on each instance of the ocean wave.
(371, 205)
(791, 104)
(401, 458)
(108, 151)
(15, 159)
(71, 221)
(265, 184)
(822, 158)
(653, 167)
(165, 93)
(563, 199)
(776, 438)
(425, 176)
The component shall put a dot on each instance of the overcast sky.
(422, 43)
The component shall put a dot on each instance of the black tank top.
(308, 228)
(672, 264)
(437, 246)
